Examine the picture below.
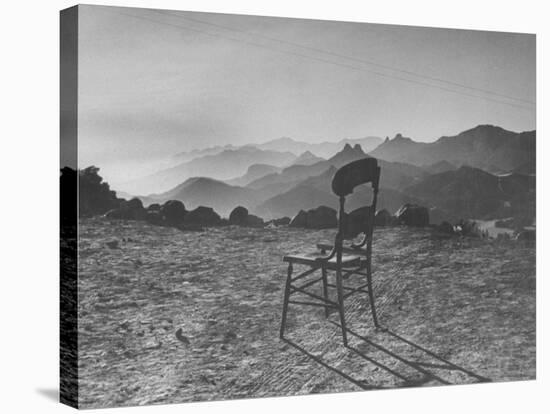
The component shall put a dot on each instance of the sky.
(153, 82)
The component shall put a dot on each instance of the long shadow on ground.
(394, 360)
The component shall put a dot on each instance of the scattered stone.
(181, 337)
(113, 244)
(413, 215)
(229, 336)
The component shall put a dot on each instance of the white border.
(29, 207)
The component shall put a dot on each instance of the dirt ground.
(167, 316)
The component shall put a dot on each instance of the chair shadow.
(361, 384)
(423, 368)
(51, 394)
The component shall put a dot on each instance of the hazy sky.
(159, 83)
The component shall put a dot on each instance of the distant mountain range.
(228, 163)
(487, 147)
(307, 158)
(275, 184)
(323, 149)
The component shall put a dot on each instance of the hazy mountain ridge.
(224, 165)
(324, 149)
(254, 172)
(307, 158)
(467, 192)
(488, 147)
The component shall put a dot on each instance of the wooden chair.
(344, 261)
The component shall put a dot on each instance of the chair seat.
(346, 249)
(310, 259)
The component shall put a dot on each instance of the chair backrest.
(346, 179)
(363, 171)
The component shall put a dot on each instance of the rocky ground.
(167, 316)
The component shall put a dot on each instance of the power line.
(258, 45)
(327, 52)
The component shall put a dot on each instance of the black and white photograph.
(262, 206)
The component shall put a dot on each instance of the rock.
(356, 222)
(527, 235)
(154, 207)
(134, 204)
(299, 220)
(254, 221)
(204, 216)
(413, 215)
(321, 217)
(383, 218)
(446, 227)
(437, 216)
(155, 217)
(112, 244)
(238, 216)
(128, 210)
(94, 195)
(506, 223)
(173, 212)
(115, 213)
(283, 221)
(181, 337)
(190, 227)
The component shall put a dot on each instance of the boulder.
(321, 218)
(203, 216)
(283, 221)
(238, 216)
(254, 221)
(527, 235)
(446, 227)
(383, 218)
(154, 207)
(134, 204)
(299, 220)
(155, 217)
(413, 215)
(173, 211)
(356, 222)
(115, 213)
(318, 218)
(128, 210)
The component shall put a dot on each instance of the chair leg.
(285, 302)
(340, 293)
(325, 290)
(371, 292)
